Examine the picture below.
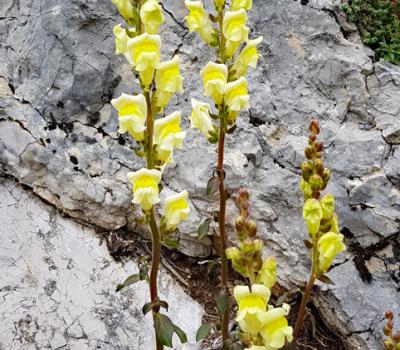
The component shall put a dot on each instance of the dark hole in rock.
(73, 159)
(48, 140)
(60, 104)
(121, 140)
(93, 118)
(76, 168)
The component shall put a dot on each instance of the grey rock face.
(58, 135)
(57, 289)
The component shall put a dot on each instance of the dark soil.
(200, 279)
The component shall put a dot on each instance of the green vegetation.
(379, 25)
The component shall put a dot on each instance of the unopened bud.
(387, 331)
(316, 182)
(325, 177)
(390, 324)
(306, 169)
(396, 337)
(251, 228)
(312, 138)
(388, 344)
(389, 315)
(397, 346)
(319, 166)
(319, 146)
(308, 152)
(239, 223)
(314, 127)
(245, 205)
(243, 193)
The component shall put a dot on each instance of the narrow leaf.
(130, 280)
(204, 228)
(222, 302)
(147, 307)
(325, 279)
(212, 186)
(163, 304)
(164, 329)
(180, 333)
(170, 243)
(203, 331)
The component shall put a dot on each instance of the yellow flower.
(306, 188)
(267, 274)
(334, 224)
(327, 205)
(241, 4)
(276, 331)
(312, 214)
(168, 81)
(236, 95)
(200, 117)
(252, 306)
(121, 39)
(176, 209)
(168, 136)
(219, 5)
(145, 187)
(198, 21)
(125, 8)
(144, 54)
(257, 347)
(214, 77)
(132, 113)
(235, 30)
(329, 245)
(248, 57)
(152, 16)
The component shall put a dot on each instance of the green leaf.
(130, 280)
(212, 186)
(163, 304)
(147, 307)
(170, 243)
(180, 333)
(222, 302)
(164, 329)
(204, 228)
(325, 279)
(203, 331)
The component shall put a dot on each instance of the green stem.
(222, 198)
(306, 294)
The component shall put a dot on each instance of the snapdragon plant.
(320, 218)
(224, 81)
(262, 326)
(141, 115)
(392, 341)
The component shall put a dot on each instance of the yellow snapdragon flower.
(312, 214)
(168, 81)
(257, 347)
(168, 135)
(145, 187)
(275, 330)
(329, 245)
(327, 205)
(236, 95)
(152, 16)
(198, 21)
(176, 209)
(248, 57)
(200, 117)
(121, 38)
(214, 77)
(241, 4)
(235, 30)
(144, 55)
(132, 113)
(125, 9)
(252, 306)
(267, 275)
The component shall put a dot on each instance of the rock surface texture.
(58, 136)
(57, 288)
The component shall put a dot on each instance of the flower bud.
(316, 182)
(319, 146)
(312, 138)
(312, 214)
(239, 224)
(319, 166)
(306, 169)
(388, 344)
(309, 152)
(387, 331)
(396, 337)
(390, 324)
(251, 228)
(328, 206)
(325, 177)
(389, 315)
(306, 188)
(314, 127)
(244, 194)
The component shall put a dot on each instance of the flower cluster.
(224, 80)
(319, 213)
(262, 326)
(157, 139)
(392, 342)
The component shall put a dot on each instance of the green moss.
(379, 24)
